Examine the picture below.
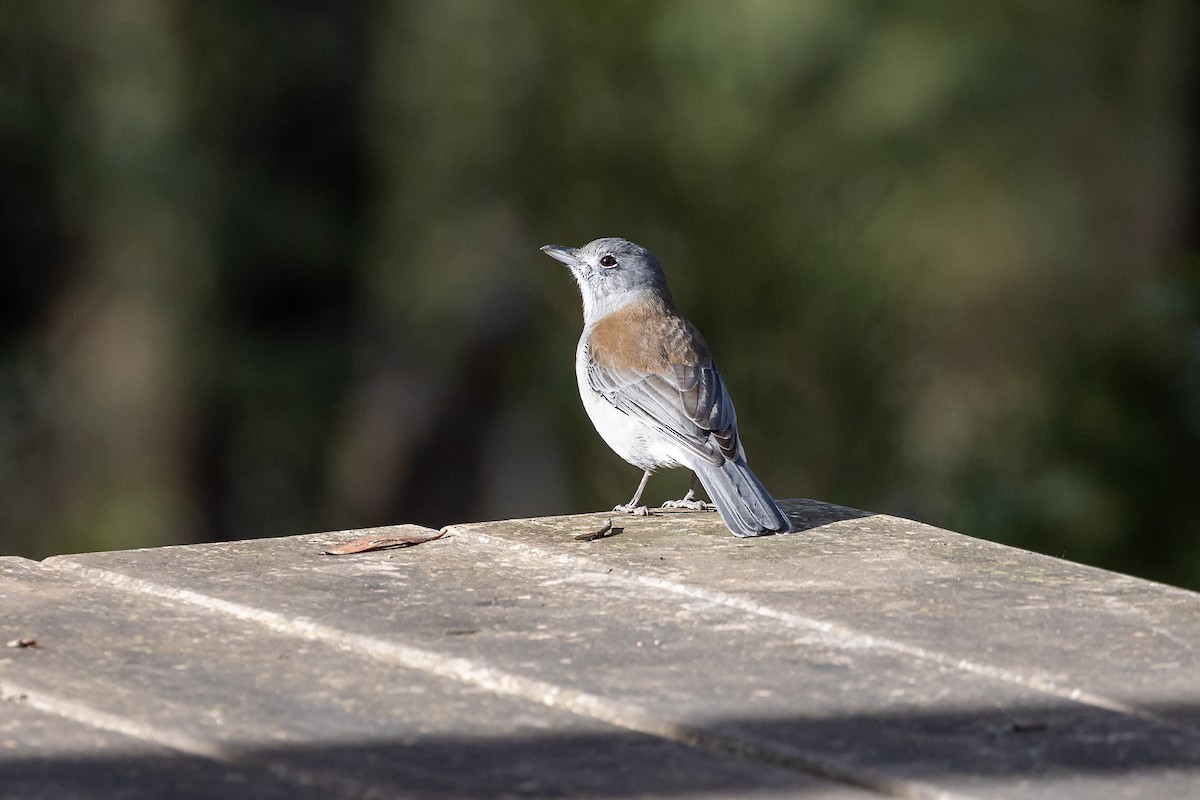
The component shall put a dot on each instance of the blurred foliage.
(270, 268)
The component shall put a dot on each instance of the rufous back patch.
(646, 337)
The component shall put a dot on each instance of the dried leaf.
(370, 543)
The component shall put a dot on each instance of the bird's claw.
(691, 505)
(637, 511)
(689, 502)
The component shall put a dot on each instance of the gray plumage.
(649, 384)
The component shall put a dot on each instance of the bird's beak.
(567, 255)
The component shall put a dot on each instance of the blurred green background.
(270, 268)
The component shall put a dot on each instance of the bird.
(649, 385)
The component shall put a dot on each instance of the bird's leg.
(632, 506)
(689, 500)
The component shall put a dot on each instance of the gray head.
(611, 272)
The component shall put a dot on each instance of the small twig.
(603, 533)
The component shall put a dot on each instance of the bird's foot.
(691, 505)
(689, 502)
(630, 508)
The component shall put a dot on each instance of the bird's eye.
(608, 261)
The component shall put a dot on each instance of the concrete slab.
(864, 654)
(294, 714)
(45, 756)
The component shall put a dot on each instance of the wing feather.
(675, 388)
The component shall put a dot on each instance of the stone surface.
(864, 656)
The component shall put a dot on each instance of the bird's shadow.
(808, 514)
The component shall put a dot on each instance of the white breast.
(633, 440)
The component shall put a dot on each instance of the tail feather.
(745, 504)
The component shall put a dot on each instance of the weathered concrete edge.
(832, 633)
(842, 636)
(621, 714)
(616, 713)
(302, 780)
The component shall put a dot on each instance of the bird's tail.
(745, 504)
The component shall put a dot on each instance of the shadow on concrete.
(1070, 750)
(809, 514)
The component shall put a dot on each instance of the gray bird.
(650, 387)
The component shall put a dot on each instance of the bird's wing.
(674, 388)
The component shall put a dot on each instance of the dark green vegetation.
(274, 268)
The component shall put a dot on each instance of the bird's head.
(611, 273)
